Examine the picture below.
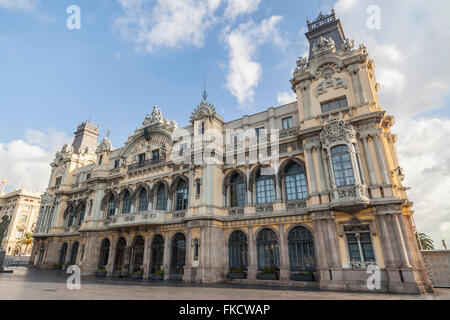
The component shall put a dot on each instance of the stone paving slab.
(31, 284)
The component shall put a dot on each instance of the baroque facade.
(22, 209)
(330, 207)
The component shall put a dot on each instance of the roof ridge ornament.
(156, 118)
(203, 110)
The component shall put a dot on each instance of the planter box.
(157, 276)
(303, 277)
(235, 275)
(268, 276)
(116, 275)
(136, 276)
(100, 274)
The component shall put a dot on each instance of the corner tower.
(354, 173)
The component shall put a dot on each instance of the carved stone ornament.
(323, 45)
(337, 132)
(329, 82)
(105, 146)
(156, 119)
(48, 200)
(348, 45)
(204, 110)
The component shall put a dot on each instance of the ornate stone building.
(22, 209)
(332, 210)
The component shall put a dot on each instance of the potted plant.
(117, 273)
(268, 274)
(57, 266)
(101, 272)
(303, 276)
(137, 274)
(158, 275)
(237, 273)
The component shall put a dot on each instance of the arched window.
(301, 249)
(181, 196)
(71, 216)
(238, 250)
(74, 253)
(120, 252)
(157, 253)
(138, 253)
(178, 256)
(201, 128)
(126, 203)
(104, 254)
(342, 166)
(63, 254)
(111, 206)
(237, 191)
(161, 198)
(295, 183)
(143, 202)
(265, 192)
(268, 252)
(82, 214)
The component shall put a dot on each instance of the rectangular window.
(58, 181)
(88, 176)
(334, 104)
(100, 160)
(116, 163)
(360, 247)
(265, 191)
(287, 123)
(141, 159)
(155, 156)
(259, 131)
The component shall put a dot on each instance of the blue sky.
(132, 54)
(55, 77)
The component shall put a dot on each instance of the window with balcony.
(155, 156)
(161, 199)
(287, 123)
(334, 104)
(182, 196)
(265, 192)
(143, 202)
(342, 166)
(116, 163)
(126, 206)
(141, 159)
(111, 206)
(296, 187)
(237, 191)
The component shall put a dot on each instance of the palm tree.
(424, 241)
(26, 240)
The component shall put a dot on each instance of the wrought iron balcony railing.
(147, 163)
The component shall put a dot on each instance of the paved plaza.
(30, 284)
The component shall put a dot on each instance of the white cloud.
(286, 97)
(239, 7)
(27, 163)
(424, 153)
(244, 73)
(18, 4)
(170, 23)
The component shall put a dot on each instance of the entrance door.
(178, 257)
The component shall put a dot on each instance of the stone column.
(368, 156)
(188, 265)
(249, 193)
(384, 235)
(333, 244)
(146, 263)
(400, 242)
(380, 157)
(284, 264)
(166, 260)
(321, 171)
(311, 173)
(112, 250)
(278, 188)
(252, 263)
(320, 244)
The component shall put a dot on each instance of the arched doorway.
(268, 250)
(157, 253)
(74, 254)
(301, 249)
(104, 254)
(178, 256)
(63, 254)
(138, 253)
(120, 254)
